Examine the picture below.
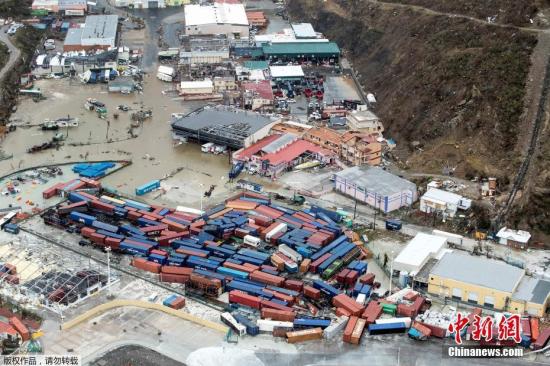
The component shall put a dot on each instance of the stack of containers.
(174, 302)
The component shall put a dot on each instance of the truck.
(11, 228)
(393, 224)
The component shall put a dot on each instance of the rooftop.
(256, 65)
(307, 48)
(206, 83)
(304, 30)
(295, 128)
(73, 37)
(262, 88)
(488, 273)
(440, 195)
(278, 144)
(516, 235)
(294, 150)
(252, 150)
(418, 250)
(288, 71)
(325, 134)
(100, 26)
(376, 180)
(534, 290)
(364, 116)
(218, 13)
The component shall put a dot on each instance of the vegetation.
(15, 8)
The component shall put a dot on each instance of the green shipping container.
(389, 309)
(39, 12)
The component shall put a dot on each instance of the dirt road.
(14, 53)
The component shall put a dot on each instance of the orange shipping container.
(177, 270)
(535, 330)
(358, 331)
(241, 205)
(349, 328)
(304, 266)
(304, 335)
(280, 315)
(20, 328)
(146, 265)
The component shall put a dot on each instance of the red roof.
(257, 147)
(263, 88)
(293, 150)
(7, 329)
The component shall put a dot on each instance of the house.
(359, 148)
(513, 238)
(224, 83)
(256, 18)
(417, 253)
(275, 154)
(325, 138)
(376, 187)
(364, 121)
(257, 95)
(439, 201)
(222, 17)
(99, 32)
(489, 283)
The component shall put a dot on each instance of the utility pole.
(374, 222)
(355, 206)
(391, 271)
(108, 251)
(202, 194)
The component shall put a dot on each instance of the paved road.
(14, 53)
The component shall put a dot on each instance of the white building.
(364, 121)
(440, 201)
(289, 72)
(140, 4)
(513, 238)
(98, 32)
(205, 86)
(416, 254)
(218, 18)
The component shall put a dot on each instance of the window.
(472, 298)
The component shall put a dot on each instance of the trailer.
(232, 323)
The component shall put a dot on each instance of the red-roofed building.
(6, 329)
(257, 95)
(256, 18)
(275, 154)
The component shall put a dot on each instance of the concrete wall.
(523, 307)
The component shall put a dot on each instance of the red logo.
(457, 326)
(482, 328)
(508, 328)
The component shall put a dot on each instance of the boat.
(307, 165)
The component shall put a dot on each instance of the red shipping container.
(13, 279)
(191, 252)
(358, 331)
(102, 206)
(151, 214)
(9, 268)
(342, 312)
(267, 278)
(146, 265)
(280, 296)
(341, 276)
(242, 298)
(81, 206)
(241, 233)
(410, 296)
(346, 302)
(86, 232)
(238, 267)
(91, 182)
(275, 238)
(350, 326)
(148, 217)
(271, 304)
(173, 278)
(436, 331)
(372, 312)
(97, 238)
(177, 270)
(168, 239)
(251, 266)
(422, 329)
(20, 328)
(52, 191)
(304, 266)
(261, 220)
(159, 252)
(89, 196)
(280, 315)
(133, 216)
(294, 285)
(269, 212)
(367, 279)
(178, 303)
(351, 278)
(312, 293)
(154, 230)
(526, 327)
(313, 267)
(174, 226)
(534, 328)
(405, 310)
(113, 243)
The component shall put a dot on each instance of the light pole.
(108, 251)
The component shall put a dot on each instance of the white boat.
(308, 165)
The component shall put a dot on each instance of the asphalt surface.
(14, 52)
(134, 355)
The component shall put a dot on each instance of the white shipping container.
(361, 298)
(252, 241)
(267, 325)
(335, 327)
(281, 228)
(164, 77)
(405, 320)
(189, 210)
(230, 321)
(166, 70)
(289, 252)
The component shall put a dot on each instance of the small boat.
(307, 165)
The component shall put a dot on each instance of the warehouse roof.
(256, 65)
(309, 48)
(206, 83)
(73, 37)
(421, 248)
(376, 179)
(534, 290)
(294, 150)
(100, 26)
(252, 150)
(288, 71)
(218, 13)
(516, 235)
(304, 30)
(488, 273)
(440, 195)
(261, 88)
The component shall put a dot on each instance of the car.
(83, 243)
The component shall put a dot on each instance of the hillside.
(454, 86)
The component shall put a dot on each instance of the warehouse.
(257, 95)
(443, 202)
(286, 73)
(228, 127)
(376, 187)
(219, 18)
(476, 280)
(531, 297)
(303, 31)
(98, 33)
(513, 238)
(310, 51)
(196, 87)
(203, 57)
(416, 254)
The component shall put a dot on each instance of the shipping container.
(251, 328)
(268, 325)
(350, 326)
(304, 335)
(230, 321)
(147, 187)
(311, 323)
(280, 315)
(82, 218)
(241, 298)
(387, 328)
(325, 288)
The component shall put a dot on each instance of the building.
(73, 7)
(306, 51)
(443, 202)
(275, 154)
(286, 73)
(99, 32)
(197, 87)
(513, 238)
(376, 187)
(224, 83)
(325, 138)
(358, 148)
(257, 95)
(257, 19)
(223, 126)
(489, 283)
(204, 57)
(295, 128)
(51, 6)
(303, 31)
(149, 4)
(227, 18)
(418, 251)
(364, 121)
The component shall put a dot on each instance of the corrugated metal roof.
(257, 147)
(479, 271)
(278, 144)
(294, 150)
(73, 37)
(442, 196)
(307, 49)
(256, 65)
(516, 235)
(377, 180)
(100, 26)
(304, 30)
(419, 249)
(533, 290)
